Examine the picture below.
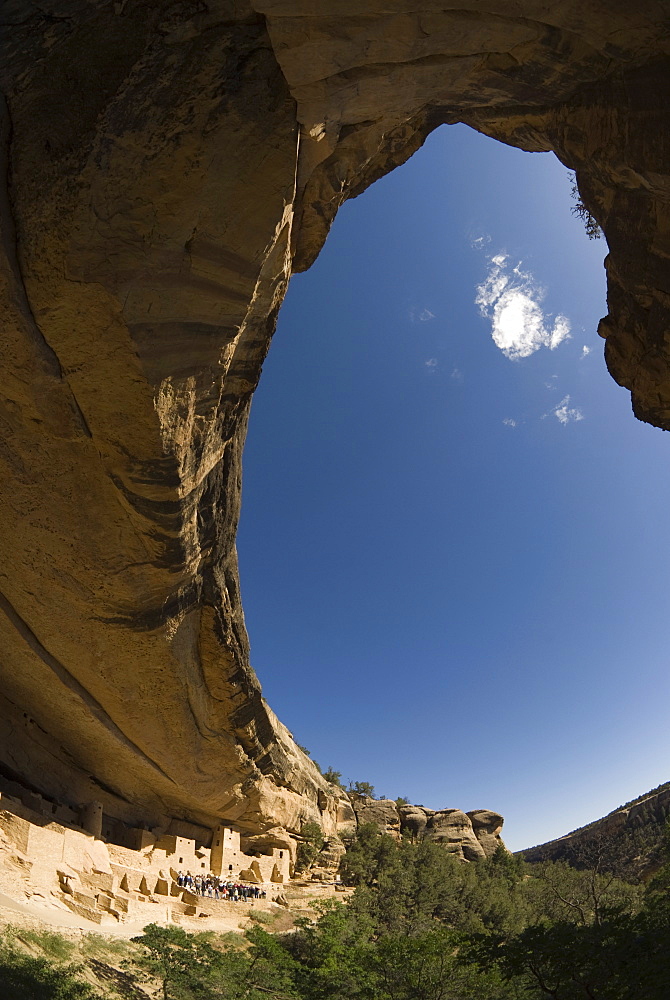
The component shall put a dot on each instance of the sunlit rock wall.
(164, 168)
(468, 836)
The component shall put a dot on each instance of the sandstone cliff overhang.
(165, 168)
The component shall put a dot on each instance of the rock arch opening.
(422, 517)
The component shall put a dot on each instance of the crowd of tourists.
(219, 888)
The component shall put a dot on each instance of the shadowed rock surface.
(165, 166)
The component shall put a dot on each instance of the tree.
(509, 867)
(174, 958)
(188, 967)
(331, 953)
(591, 224)
(566, 893)
(26, 977)
(362, 788)
(657, 892)
(310, 847)
(368, 855)
(271, 971)
(334, 777)
(427, 968)
(623, 957)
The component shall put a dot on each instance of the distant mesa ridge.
(628, 840)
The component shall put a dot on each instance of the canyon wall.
(165, 167)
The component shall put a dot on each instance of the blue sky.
(454, 531)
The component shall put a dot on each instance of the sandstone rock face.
(413, 820)
(487, 826)
(453, 830)
(382, 812)
(469, 836)
(346, 817)
(165, 166)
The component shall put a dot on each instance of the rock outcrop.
(487, 827)
(469, 836)
(165, 167)
(382, 812)
(413, 821)
(453, 830)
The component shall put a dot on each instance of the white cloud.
(479, 242)
(431, 364)
(585, 350)
(420, 315)
(509, 422)
(564, 413)
(456, 374)
(511, 301)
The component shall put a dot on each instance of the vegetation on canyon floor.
(420, 925)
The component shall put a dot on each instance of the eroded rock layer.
(165, 166)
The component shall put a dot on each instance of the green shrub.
(362, 788)
(53, 945)
(334, 777)
(26, 977)
(309, 849)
